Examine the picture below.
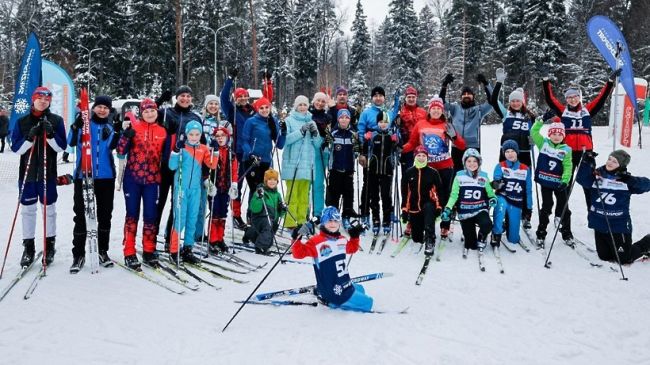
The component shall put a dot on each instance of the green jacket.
(548, 148)
(273, 202)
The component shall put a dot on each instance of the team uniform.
(341, 172)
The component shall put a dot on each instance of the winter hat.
(341, 89)
(510, 145)
(467, 89)
(556, 127)
(147, 103)
(183, 89)
(271, 174)
(240, 91)
(516, 94)
(41, 91)
(410, 90)
(571, 91)
(330, 213)
(300, 99)
(104, 100)
(420, 149)
(622, 157)
(377, 90)
(192, 126)
(319, 95)
(209, 98)
(436, 101)
(471, 152)
(261, 102)
(342, 112)
(221, 129)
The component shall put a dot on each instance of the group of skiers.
(203, 159)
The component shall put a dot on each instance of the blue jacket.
(104, 166)
(242, 113)
(188, 162)
(298, 150)
(616, 190)
(256, 138)
(518, 183)
(368, 118)
(467, 121)
(342, 155)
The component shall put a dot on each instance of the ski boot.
(218, 247)
(77, 264)
(239, 223)
(480, 245)
(150, 259)
(541, 237)
(104, 260)
(525, 223)
(496, 240)
(569, 241)
(188, 256)
(407, 230)
(386, 229)
(28, 252)
(173, 258)
(49, 247)
(375, 227)
(444, 233)
(346, 223)
(429, 245)
(132, 262)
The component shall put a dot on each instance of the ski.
(311, 288)
(290, 261)
(587, 247)
(481, 264)
(382, 244)
(148, 278)
(20, 275)
(34, 284)
(216, 273)
(505, 244)
(217, 265)
(523, 245)
(441, 248)
(198, 278)
(423, 271)
(279, 302)
(402, 243)
(240, 260)
(497, 256)
(171, 277)
(388, 311)
(374, 243)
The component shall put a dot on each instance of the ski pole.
(532, 159)
(44, 200)
(564, 209)
(20, 196)
(268, 218)
(609, 227)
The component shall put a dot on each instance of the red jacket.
(431, 133)
(144, 150)
(409, 117)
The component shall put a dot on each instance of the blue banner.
(606, 36)
(28, 79)
(63, 94)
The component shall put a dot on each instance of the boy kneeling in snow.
(329, 249)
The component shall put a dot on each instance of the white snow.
(569, 314)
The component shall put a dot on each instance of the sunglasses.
(43, 93)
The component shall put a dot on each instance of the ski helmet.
(330, 213)
(471, 152)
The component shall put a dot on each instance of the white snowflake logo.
(338, 290)
(21, 106)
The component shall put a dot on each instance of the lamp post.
(215, 50)
(90, 53)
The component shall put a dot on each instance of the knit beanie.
(240, 91)
(341, 90)
(622, 157)
(410, 90)
(467, 90)
(571, 91)
(147, 103)
(342, 112)
(377, 90)
(271, 174)
(556, 127)
(319, 95)
(209, 98)
(300, 99)
(420, 149)
(183, 89)
(104, 100)
(510, 145)
(516, 94)
(261, 102)
(436, 101)
(192, 126)
(41, 91)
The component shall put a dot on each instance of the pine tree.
(466, 38)
(406, 47)
(359, 56)
(431, 51)
(275, 40)
(306, 46)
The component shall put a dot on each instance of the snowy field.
(570, 314)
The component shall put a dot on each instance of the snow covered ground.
(570, 314)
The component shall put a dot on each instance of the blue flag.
(606, 36)
(28, 79)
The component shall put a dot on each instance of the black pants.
(2, 143)
(423, 223)
(575, 158)
(447, 178)
(547, 206)
(627, 251)
(457, 157)
(406, 161)
(341, 185)
(260, 232)
(469, 229)
(166, 184)
(104, 193)
(255, 176)
(380, 189)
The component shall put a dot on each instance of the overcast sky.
(376, 10)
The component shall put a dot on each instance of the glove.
(446, 215)
(314, 134)
(492, 202)
(78, 122)
(232, 192)
(34, 132)
(260, 192)
(254, 160)
(49, 130)
(549, 114)
(562, 186)
(106, 132)
(165, 96)
(328, 139)
(396, 96)
(233, 73)
(180, 143)
(282, 207)
(544, 70)
(450, 130)
(449, 78)
(126, 124)
(590, 159)
(501, 75)
(64, 180)
(307, 229)
(404, 217)
(129, 133)
(497, 184)
(356, 229)
(393, 138)
(283, 127)
(304, 129)
(481, 78)
(209, 187)
(615, 74)
(368, 136)
(313, 128)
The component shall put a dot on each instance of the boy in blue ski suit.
(609, 212)
(512, 183)
(187, 159)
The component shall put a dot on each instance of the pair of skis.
(382, 243)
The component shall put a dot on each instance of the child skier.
(328, 250)
(380, 148)
(102, 141)
(187, 158)
(143, 141)
(609, 216)
(472, 190)
(223, 182)
(553, 174)
(38, 137)
(513, 185)
(341, 167)
(420, 203)
(266, 208)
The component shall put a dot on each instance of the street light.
(215, 50)
(90, 53)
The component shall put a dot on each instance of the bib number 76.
(607, 198)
